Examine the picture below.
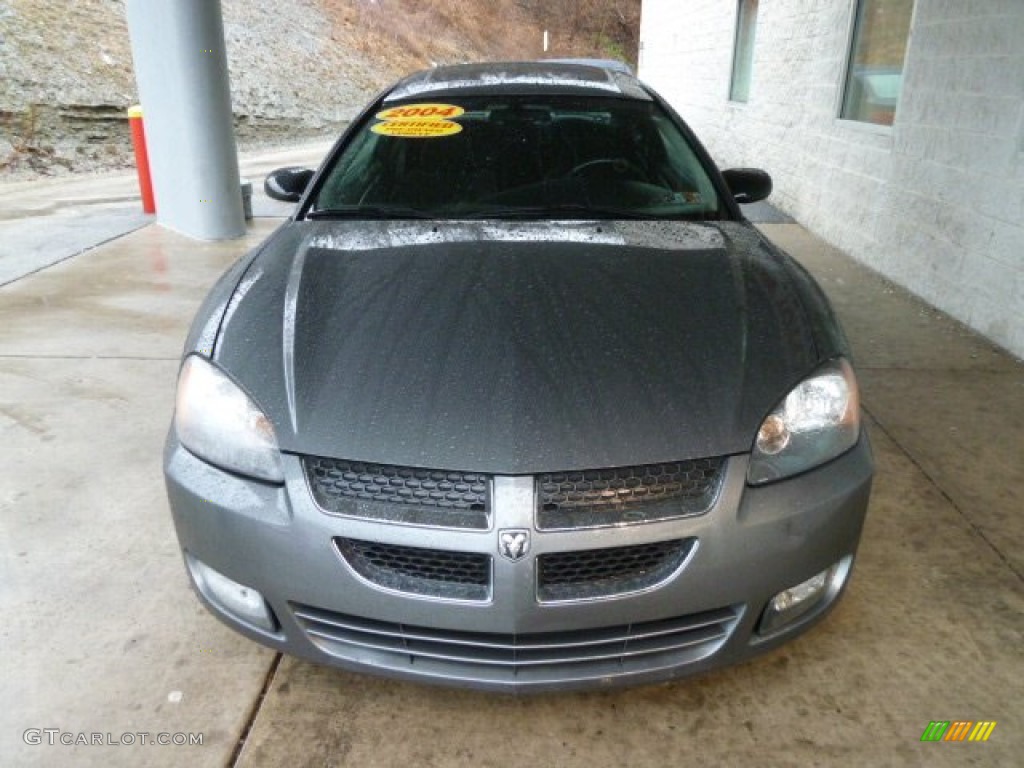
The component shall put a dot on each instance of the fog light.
(790, 604)
(790, 598)
(240, 601)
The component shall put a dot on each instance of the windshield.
(518, 157)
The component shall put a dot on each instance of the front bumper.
(750, 545)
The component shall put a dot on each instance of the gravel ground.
(67, 80)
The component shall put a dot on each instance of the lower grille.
(430, 572)
(410, 495)
(621, 495)
(592, 573)
(541, 657)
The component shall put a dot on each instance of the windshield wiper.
(370, 212)
(571, 210)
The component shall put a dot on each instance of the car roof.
(612, 64)
(519, 77)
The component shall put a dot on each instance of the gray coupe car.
(517, 399)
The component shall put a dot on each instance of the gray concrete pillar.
(181, 71)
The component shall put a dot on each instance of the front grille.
(420, 571)
(601, 497)
(523, 658)
(400, 494)
(591, 573)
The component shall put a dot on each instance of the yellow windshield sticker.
(419, 121)
(421, 112)
(417, 129)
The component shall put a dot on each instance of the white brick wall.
(936, 202)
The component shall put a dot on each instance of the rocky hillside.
(299, 68)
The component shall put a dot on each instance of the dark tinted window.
(519, 156)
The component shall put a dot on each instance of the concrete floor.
(102, 634)
(44, 221)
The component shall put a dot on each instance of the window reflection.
(875, 72)
(743, 54)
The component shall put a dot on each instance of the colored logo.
(958, 730)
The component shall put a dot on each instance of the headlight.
(218, 422)
(818, 420)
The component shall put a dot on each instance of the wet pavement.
(103, 635)
(44, 221)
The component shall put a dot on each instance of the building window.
(743, 50)
(874, 73)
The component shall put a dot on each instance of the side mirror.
(748, 185)
(287, 184)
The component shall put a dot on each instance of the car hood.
(517, 348)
